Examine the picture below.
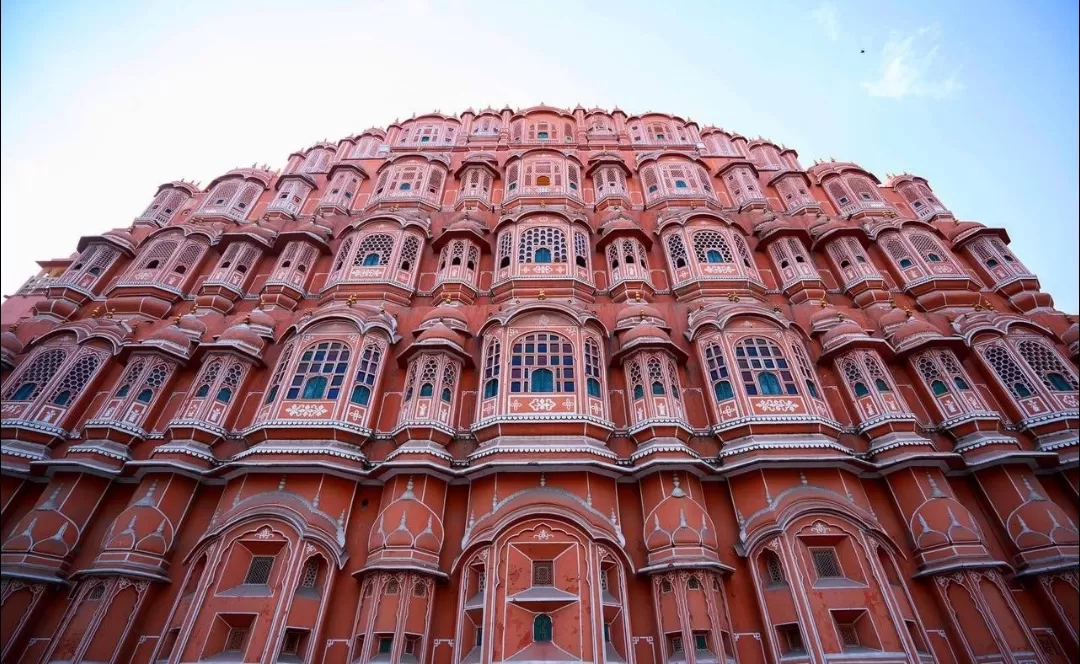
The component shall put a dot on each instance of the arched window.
(677, 251)
(492, 360)
(1008, 371)
(279, 373)
(592, 368)
(366, 373)
(711, 247)
(1046, 365)
(29, 383)
(763, 368)
(542, 362)
(542, 244)
(718, 373)
(320, 372)
(75, 380)
(374, 250)
(542, 628)
(773, 570)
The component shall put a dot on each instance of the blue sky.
(101, 102)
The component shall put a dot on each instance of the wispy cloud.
(825, 15)
(910, 66)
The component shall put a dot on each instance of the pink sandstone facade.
(542, 385)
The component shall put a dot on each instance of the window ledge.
(245, 590)
(838, 583)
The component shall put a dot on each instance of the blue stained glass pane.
(292, 393)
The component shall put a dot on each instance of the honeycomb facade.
(542, 385)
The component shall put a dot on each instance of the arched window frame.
(476, 184)
(236, 265)
(430, 379)
(627, 260)
(338, 403)
(652, 381)
(167, 262)
(794, 193)
(216, 389)
(948, 384)
(145, 379)
(917, 254)
(799, 387)
(851, 261)
(507, 371)
(543, 174)
(743, 186)
(290, 197)
(294, 265)
(411, 179)
(87, 270)
(317, 161)
(1008, 360)
(233, 198)
(676, 178)
(396, 252)
(459, 261)
(63, 388)
(609, 182)
(165, 206)
(736, 262)
(792, 261)
(870, 386)
(341, 192)
(997, 260)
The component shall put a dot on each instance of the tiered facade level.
(541, 386)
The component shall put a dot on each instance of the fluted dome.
(845, 328)
(448, 315)
(637, 313)
(645, 331)
(892, 318)
(241, 334)
(10, 347)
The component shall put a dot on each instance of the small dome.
(959, 228)
(846, 328)
(440, 332)
(638, 312)
(892, 318)
(259, 318)
(447, 314)
(618, 222)
(11, 344)
(645, 331)
(191, 324)
(1071, 335)
(912, 329)
(123, 235)
(241, 334)
(466, 223)
(825, 317)
(173, 335)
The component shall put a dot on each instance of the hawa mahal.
(541, 385)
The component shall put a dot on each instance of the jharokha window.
(554, 369)
(1031, 372)
(919, 256)
(945, 380)
(765, 374)
(50, 382)
(378, 253)
(166, 262)
(140, 386)
(702, 256)
(215, 390)
(543, 247)
(676, 179)
(327, 374)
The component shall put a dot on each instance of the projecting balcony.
(543, 599)
(537, 194)
(396, 197)
(862, 206)
(663, 142)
